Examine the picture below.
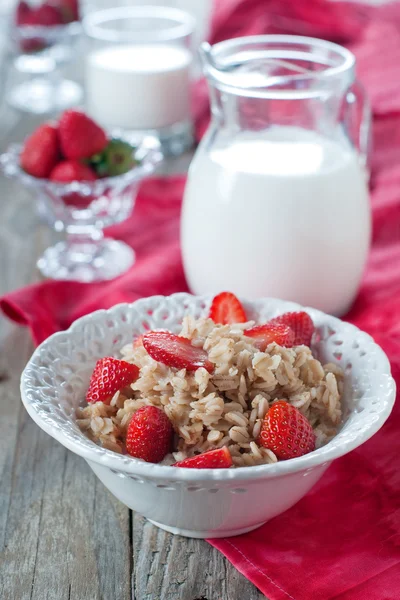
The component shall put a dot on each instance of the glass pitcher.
(276, 202)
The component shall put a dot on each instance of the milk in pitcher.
(284, 213)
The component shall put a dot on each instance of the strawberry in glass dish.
(39, 26)
(41, 151)
(63, 151)
(69, 10)
(44, 15)
(42, 38)
(72, 170)
(80, 136)
(49, 13)
(75, 149)
(85, 179)
(29, 21)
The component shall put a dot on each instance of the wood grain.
(63, 536)
(171, 567)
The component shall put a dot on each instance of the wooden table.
(63, 536)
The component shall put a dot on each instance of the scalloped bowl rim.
(119, 463)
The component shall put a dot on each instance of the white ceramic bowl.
(201, 503)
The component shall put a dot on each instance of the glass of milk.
(138, 69)
(276, 202)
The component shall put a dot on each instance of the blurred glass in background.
(199, 9)
(138, 71)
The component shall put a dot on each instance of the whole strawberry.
(286, 431)
(301, 323)
(41, 151)
(109, 376)
(80, 136)
(72, 170)
(214, 459)
(149, 434)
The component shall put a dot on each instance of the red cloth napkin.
(152, 230)
(342, 541)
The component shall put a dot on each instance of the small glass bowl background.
(48, 36)
(83, 210)
(38, 52)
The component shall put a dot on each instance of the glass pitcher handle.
(358, 121)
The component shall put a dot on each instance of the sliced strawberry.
(214, 459)
(263, 335)
(175, 351)
(149, 434)
(226, 309)
(301, 323)
(286, 431)
(138, 341)
(109, 376)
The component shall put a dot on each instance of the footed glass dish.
(83, 210)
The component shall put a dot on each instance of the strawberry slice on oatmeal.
(223, 392)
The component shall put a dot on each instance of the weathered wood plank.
(171, 567)
(66, 536)
(85, 531)
(11, 362)
(62, 535)
(168, 567)
(17, 252)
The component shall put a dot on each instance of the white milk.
(138, 86)
(284, 214)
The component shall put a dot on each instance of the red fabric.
(152, 230)
(342, 541)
